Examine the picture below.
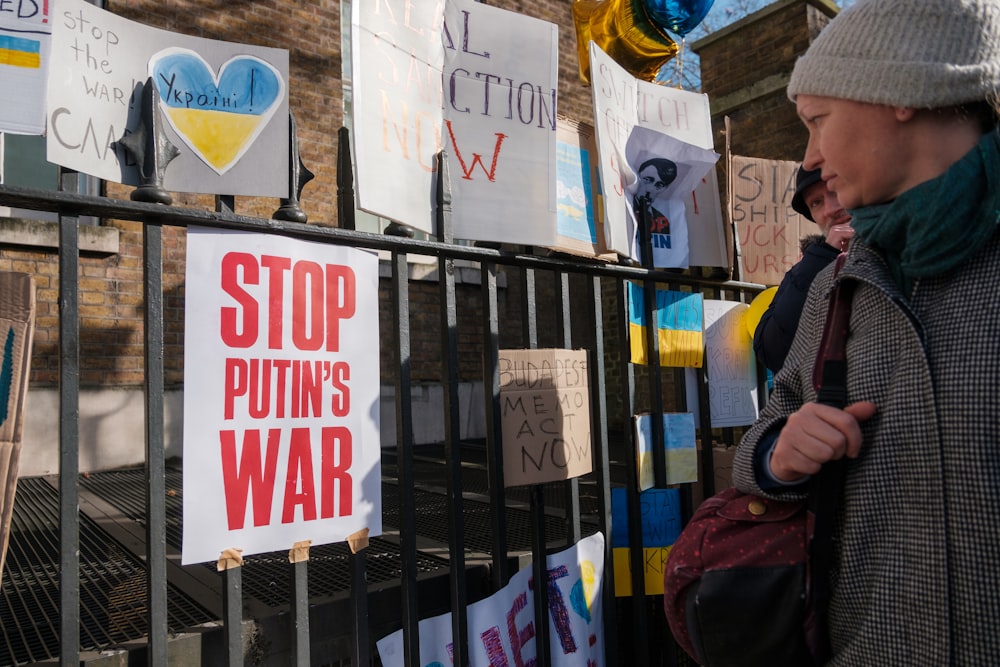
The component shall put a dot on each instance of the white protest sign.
(225, 105)
(622, 102)
(396, 59)
(668, 170)
(501, 627)
(25, 38)
(479, 82)
(281, 391)
(730, 365)
(500, 82)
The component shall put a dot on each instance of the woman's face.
(863, 150)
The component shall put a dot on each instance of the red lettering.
(340, 401)
(760, 235)
(518, 638)
(321, 298)
(276, 267)
(300, 473)
(307, 395)
(341, 297)
(476, 157)
(236, 384)
(559, 611)
(260, 388)
(281, 367)
(494, 647)
(619, 187)
(660, 224)
(230, 321)
(336, 462)
(246, 477)
(307, 306)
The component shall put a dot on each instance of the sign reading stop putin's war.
(281, 391)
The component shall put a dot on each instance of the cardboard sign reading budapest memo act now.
(545, 415)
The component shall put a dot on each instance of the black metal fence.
(331, 609)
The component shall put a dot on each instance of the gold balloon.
(623, 30)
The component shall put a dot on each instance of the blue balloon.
(678, 16)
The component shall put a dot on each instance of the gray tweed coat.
(916, 577)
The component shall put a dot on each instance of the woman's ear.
(904, 114)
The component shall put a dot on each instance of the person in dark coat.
(777, 325)
(900, 100)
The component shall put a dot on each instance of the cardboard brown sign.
(545, 415)
(17, 324)
(767, 227)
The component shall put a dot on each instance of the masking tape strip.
(230, 558)
(299, 552)
(358, 541)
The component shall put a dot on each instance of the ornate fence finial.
(150, 148)
(298, 176)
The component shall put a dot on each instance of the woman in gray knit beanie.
(897, 97)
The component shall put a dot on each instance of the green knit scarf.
(936, 226)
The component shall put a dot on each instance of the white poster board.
(396, 60)
(730, 365)
(651, 155)
(479, 82)
(622, 102)
(281, 393)
(25, 39)
(224, 105)
(501, 627)
(501, 74)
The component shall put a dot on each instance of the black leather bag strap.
(830, 380)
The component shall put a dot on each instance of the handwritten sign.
(622, 102)
(679, 323)
(767, 226)
(17, 326)
(98, 65)
(680, 449)
(667, 172)
(475, 80)
(661, 525)
(545, 415)
(25, 40)
(397, 60)
(500, 81)
(502, 627)
(576, 176)
(731, 366)
(281, 367)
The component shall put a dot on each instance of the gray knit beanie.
(922, 54)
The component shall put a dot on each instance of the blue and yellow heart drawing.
(217, 116)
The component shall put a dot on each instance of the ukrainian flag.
(661, 525)
(679, 326)
(20, 52)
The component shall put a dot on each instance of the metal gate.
(93, 571)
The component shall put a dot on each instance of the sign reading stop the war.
(281, 391)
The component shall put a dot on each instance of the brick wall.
(111, 287)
